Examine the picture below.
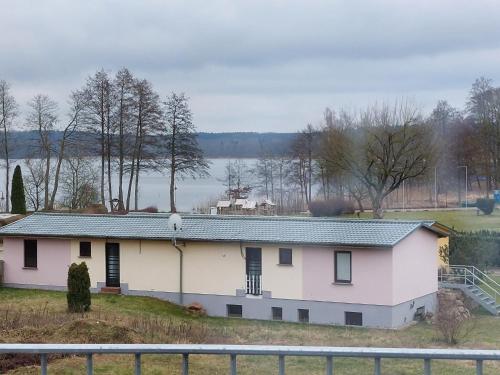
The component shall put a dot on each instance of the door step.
(111, 290)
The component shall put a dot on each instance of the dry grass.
(36, 316)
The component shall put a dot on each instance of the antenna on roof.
(175, 225)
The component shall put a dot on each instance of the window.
(286, 256)
(343, 267)
(277, 313)
(85, 249)
(234, 311)
(353, 318)
(303, 315)
(420, 313)
(30, 254)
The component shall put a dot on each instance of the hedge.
(480, 249)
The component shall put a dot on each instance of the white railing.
(470, 275)
(329, 353)
(254, 285)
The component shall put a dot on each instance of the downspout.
(181, 258)
(241, 250)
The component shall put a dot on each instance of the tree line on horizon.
(363, 156)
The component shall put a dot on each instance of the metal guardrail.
(470, 275)
(329, 353)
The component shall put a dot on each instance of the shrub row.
(332, 207)
(480, 249)
(486, 205)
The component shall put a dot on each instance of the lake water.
(154, 186)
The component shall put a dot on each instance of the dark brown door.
(113, 264)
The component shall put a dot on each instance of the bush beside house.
(78, 288)
(451, 316)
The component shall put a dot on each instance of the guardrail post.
(281, 365)
(43, 363)
(185, 364)
(137, 363)
(427, 366)
(90, 364)
(329, 365)
(479, 367)
(376, 369)
(233, 364)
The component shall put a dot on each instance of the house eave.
(247, 241)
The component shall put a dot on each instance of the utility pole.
(466, 184)
(404, 203)
(435, 189)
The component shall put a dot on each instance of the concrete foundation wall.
(328, 313)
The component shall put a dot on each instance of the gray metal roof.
(291, 230)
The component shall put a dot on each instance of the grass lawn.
(40, 316)
(467, 220)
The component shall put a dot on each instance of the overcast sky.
(257, 65)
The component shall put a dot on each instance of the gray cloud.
(256, 65)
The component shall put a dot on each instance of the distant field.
(40, 316)
(467, 220)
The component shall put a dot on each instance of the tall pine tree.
(17, 197)
(184, 155)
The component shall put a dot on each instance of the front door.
(113, 264)
(254, 270)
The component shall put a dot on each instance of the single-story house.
(223, 206)
(375, 273)
(239, 202)
(250, 205)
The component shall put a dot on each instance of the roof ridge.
(238, 217)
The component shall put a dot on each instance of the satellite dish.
(175, 222)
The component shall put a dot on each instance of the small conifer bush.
(17, 198)
(78, 288)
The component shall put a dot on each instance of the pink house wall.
(414, 266)
(371, 276)
(53, 258)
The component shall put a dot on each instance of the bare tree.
(237, 179)
(265, 172)
(386, 147)
(98, 118)
(444, 122)
(78, 103)
(42, 117)
(123, 83)
(8, 111)
(34, 182)
(79, 185)
(280, 164)
(184, 155)
(484, 108)
(147, 115)
(303, 152)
